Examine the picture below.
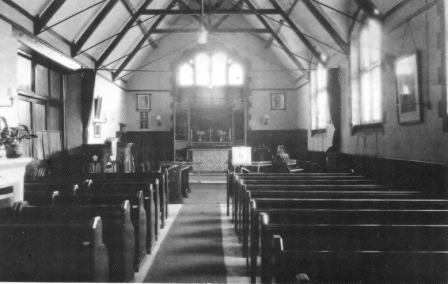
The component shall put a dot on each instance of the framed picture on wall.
(97, 130)
(143, 101)
(278, 101)
(408, 89)
(98, 103)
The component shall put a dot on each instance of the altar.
(209, 159)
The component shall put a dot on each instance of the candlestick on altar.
(230, 135)
(191, 135)
(210, 131)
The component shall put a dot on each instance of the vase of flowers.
(200, 134)
(221, 134)
(10, 138)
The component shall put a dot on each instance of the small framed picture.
(408, 89)
(278, 101)
(97, 130)
(143, 101)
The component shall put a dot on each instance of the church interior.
(224, 141)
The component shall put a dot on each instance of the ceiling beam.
(131, 55)
(185, 7)
(223, 18)
(299, 33)
(46, 15)
(271, 39)
(222, 30)
(120, 36)
(211, 12)
(92, 27)
(328, 24)
(279, 40)
(128, 5)
(370, 8)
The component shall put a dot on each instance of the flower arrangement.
(11, 137)
(200, 133)
(221, 134)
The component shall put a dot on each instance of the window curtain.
(334, 104)
(87, 92)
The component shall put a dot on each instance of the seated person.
(280, 165)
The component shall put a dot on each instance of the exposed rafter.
(298, 32)
(185, 7)
(132, 11)
(210, 12)
(235, 7)
(92, 27)
(45, 17)
(222, 30)
(281, 22)
(120, 36)
(327, 24)
(279, 40)
(140, 43)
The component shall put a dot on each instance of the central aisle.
(192, 251)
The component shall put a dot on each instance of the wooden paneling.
(151, 146)
(295, 141)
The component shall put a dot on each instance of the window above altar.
(210, 70)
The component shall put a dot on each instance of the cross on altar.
(210, 131)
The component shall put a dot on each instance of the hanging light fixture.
(203, 34)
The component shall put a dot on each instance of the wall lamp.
(159, 120)
(266, 118)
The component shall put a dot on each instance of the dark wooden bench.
(118, 231)
(233, 179)
(138, 215)
(245, 217)
(311, 184)
(160, 181)
(239, 196)
(151, 203)
(54, 252)
(355, 253)
(337, 216)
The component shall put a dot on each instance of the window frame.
(358, 103)
(315, 92)
(48, 101)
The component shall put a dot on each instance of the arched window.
(215, 70)
(219, 69)
(235, 74)
(186, 75)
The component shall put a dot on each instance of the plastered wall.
(8, 73)
(418, 25)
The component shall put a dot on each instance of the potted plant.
(10, 138)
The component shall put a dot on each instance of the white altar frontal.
(209, 160)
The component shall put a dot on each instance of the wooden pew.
(233, 179)
(356, 253)
(304, 194)
(138, 215)
(118, 231)
(338, 216)
(329, 184)
(160, 181)
(150, 203)
(53, 252)
(240, 192)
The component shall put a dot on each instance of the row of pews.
(98, 228)
(337, 228)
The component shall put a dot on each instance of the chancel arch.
(210, 101)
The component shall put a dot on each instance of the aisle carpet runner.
(192, 251)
